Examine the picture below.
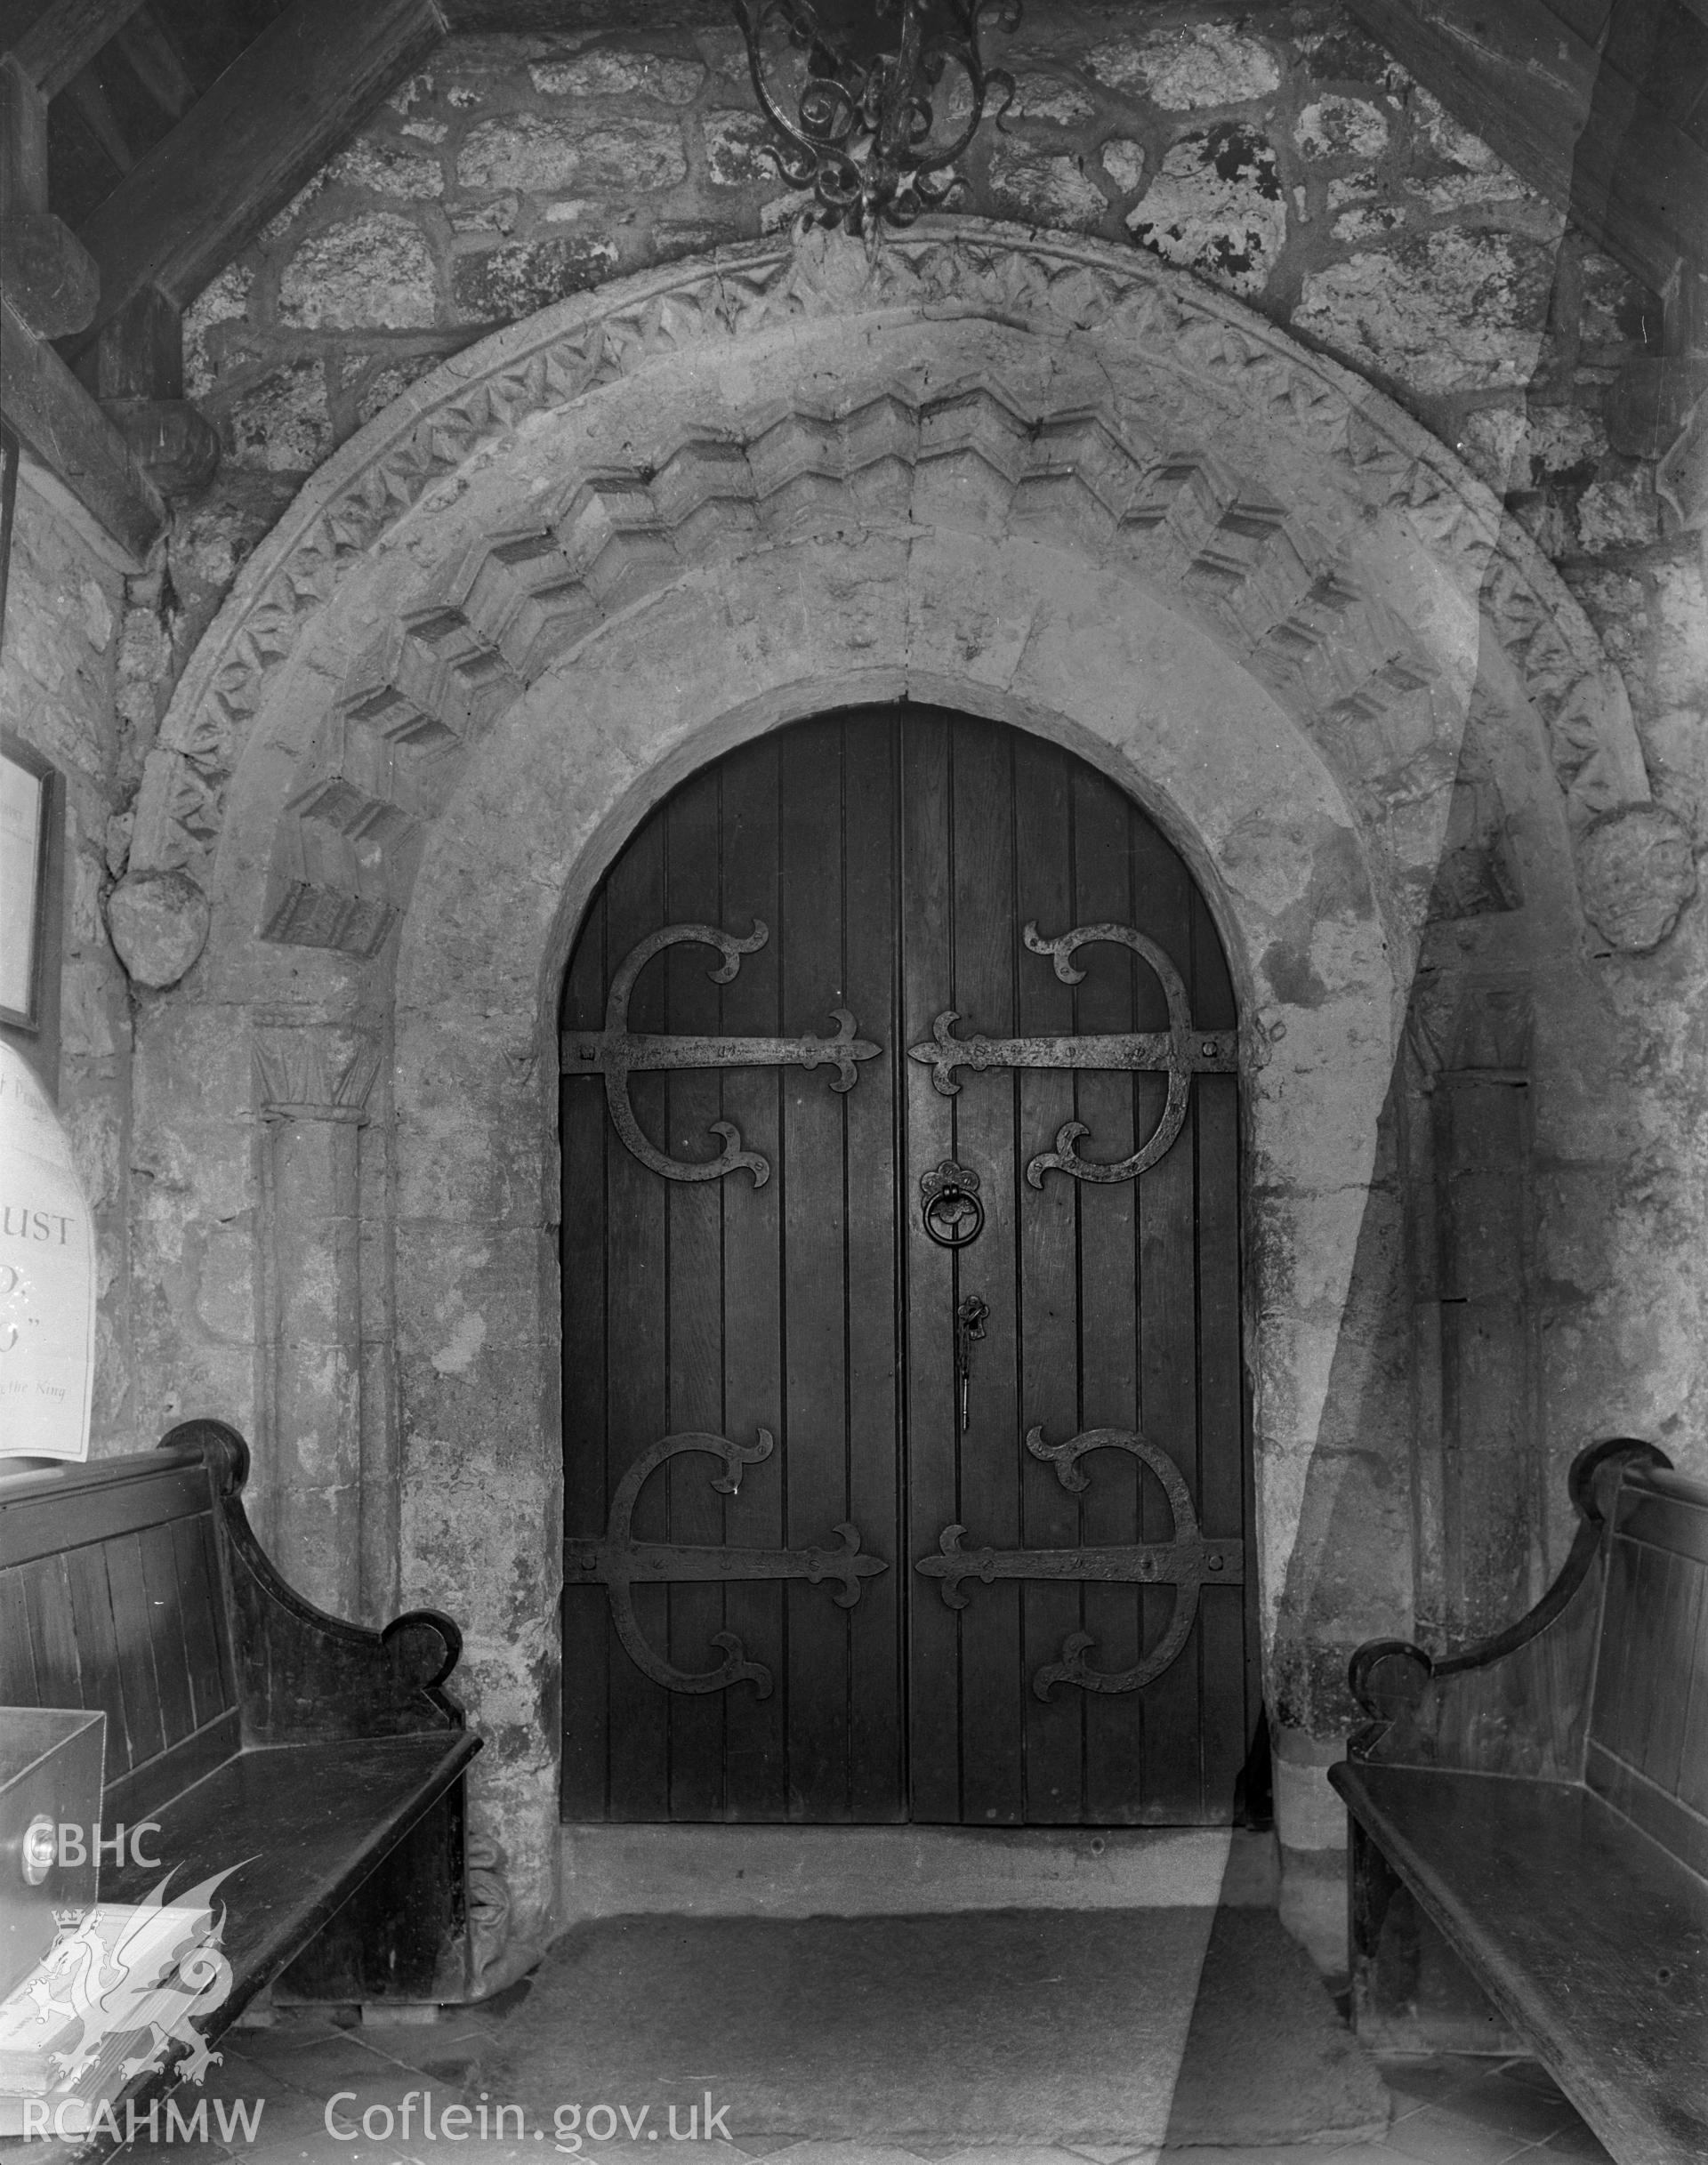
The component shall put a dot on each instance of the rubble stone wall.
(1277, 152)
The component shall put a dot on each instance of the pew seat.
(1531, 1816)
(314, 1763)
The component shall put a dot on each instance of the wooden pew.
(322, 1760)
(1541, 1802)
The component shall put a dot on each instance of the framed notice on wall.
(26, 808)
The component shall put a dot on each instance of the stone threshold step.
(888, 1872)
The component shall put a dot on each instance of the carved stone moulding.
(509, 607)
(311, 1070)
(461, 648)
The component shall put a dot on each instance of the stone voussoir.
(970, 456)
(1050, 284)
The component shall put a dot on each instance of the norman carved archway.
(1027, 478)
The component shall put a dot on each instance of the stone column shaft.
(313, 1082)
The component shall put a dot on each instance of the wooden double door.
(905, 1451)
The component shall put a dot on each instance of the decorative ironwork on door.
(1179, 1052)
(1190, 1561)
(617, 1052)
(620, 1563)
(891, 1299)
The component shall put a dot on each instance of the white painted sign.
(48, 1277)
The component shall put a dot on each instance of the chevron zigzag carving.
(970, 460)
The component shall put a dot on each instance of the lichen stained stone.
(1492, 442)
(1050, 98)
(371, 273)
(1441, 312)
(1052, 191)
(1124, 160)
(1207, 64)
(607, 74)
(1620, 512)
(507, 283)
(280, 422)
(734, 150)
(639, 156)
(1368, 221)
(527, 151)
(1338, 127)
(1350, 55)
(384, 169)
(225, 300)
(389, 382)
(1216, 206)
(1681, 646)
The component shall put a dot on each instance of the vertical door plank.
(142, 1716)
(1233, 1694)
(636, 1339)
(590, 1645)
(47, 1603)
(203, 1615)
(17, 1662)
(990, 1449)
(694, 1236)
(1168, 1336)
(1613, 1679)
(1679, 1628)
(934, 1501)
(813, 1177)
(875, 1196)
(1643, 1646)
(92, 1617)
(1231, 1698)
(756, 1781)
(1109, 1293)
(1691, 1782)
(166, 1610)
(1048, 1287)
(223, 1695)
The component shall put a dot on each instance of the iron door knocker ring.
(949, 1205)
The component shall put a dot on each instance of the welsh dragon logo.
(140, 1973)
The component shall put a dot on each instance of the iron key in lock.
(969, 1325)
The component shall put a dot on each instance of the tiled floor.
(1447, 2112)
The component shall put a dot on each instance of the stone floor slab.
(1438, 2136)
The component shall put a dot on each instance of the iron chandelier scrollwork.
(869, 89)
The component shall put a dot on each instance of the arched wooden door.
(780, 1406)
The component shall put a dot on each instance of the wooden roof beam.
(156, 62)
(241, 152)
(61, 39)
(63, 429)
(94, 108)
(1562, 115)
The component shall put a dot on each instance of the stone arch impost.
(1315, 530)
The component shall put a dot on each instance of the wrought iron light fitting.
(886, 96)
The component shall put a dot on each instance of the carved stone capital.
(315, 1070)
